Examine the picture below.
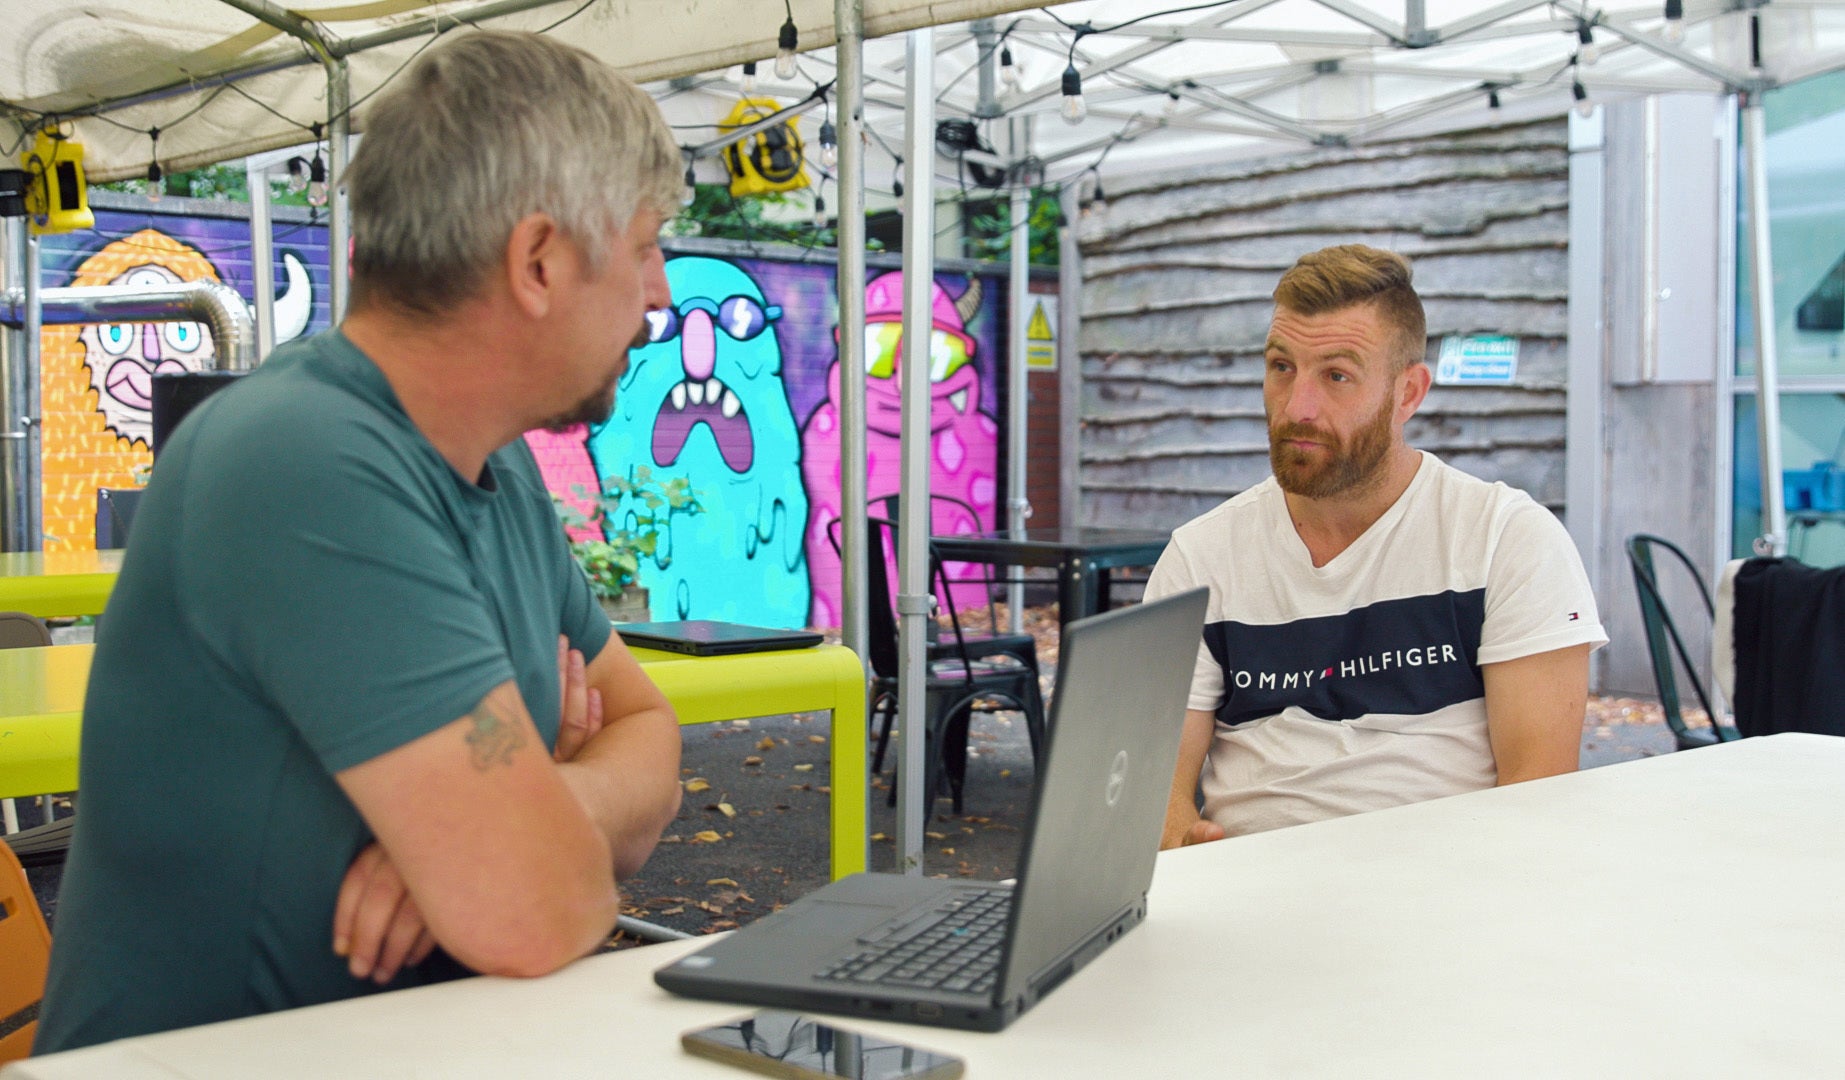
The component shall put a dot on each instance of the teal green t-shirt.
(309, 585)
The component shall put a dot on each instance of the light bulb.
(1674, 30)
(896, 181)
(748, 82)
(785, 44)
(1009, 72)
(1073, 107)
(1171, 107)
(1492, 99)
(1584, 107)
(297, 175)
(687, 197)
(1588, 52)
(156, 182)
(317, 181)
(829, 145)
(819, 211)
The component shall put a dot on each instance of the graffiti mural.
(96, 380)
(963, 440)
(704, 399)
(736, 390)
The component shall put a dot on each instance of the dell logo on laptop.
(1117, 778)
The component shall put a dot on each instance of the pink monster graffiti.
(564, 461)
(963, 441)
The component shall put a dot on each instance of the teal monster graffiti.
(704, 400)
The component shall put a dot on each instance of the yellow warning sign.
(1041, 335)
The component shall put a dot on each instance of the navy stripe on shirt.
(1409, 656)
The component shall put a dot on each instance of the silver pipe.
(1069, 360)
(854, 628)
(213, 303)
(262, 259)
(31, 408)
(986, 104)
(18, 374)
(1773, 540)
(339, 222)
(1018, 391)
(913, 604)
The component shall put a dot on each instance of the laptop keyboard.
(955, 946)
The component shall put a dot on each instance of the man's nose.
(150, 342)
(1300, 403)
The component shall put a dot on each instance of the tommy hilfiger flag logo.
(1574, 616)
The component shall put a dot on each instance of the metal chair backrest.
(25, 954)
(1663, 640)
(19, 630)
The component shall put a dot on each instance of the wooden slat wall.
(1178, 273)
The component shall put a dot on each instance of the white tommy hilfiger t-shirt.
(1356, 685)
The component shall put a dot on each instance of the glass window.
(1805, 159)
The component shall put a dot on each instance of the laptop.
(704, 637)
(976, 955)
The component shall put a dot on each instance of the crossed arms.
(503, 854)
(1534, 710)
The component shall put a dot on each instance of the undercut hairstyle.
(1351, 275)
(477, 134)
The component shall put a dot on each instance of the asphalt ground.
(752, 831)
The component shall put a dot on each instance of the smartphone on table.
(798, 1047)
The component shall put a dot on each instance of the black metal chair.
(1663, 641)
(115, 512)
(1021, 647)
(956, 686)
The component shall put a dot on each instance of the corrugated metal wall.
(1178, 272)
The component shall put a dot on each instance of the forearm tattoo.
(491, 739)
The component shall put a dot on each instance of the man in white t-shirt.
(1383, 628)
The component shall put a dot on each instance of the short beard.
(592, 410)
(1352, 466)
(597, 407)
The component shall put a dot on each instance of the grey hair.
(477, 134)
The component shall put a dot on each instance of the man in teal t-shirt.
(354, 719)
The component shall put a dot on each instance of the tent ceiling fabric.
(1250, 76)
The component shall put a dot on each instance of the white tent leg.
(913, 603)
(1773, 540)
(339, 225)
(1017, 410)
(262, 259)
(849, 16)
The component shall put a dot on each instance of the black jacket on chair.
(1790, 648)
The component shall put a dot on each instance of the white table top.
(1679, 916)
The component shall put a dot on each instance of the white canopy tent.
(188, 82)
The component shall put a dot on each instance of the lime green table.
(57, 584)
(41, 714)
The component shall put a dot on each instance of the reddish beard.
(1346, 465)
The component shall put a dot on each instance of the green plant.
(630, 513)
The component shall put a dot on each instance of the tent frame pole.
(914, 605)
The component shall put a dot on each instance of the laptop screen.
(1122, 682)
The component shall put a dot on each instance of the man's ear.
(1412, 389)
(533, 257)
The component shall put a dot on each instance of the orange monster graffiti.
(95, 381)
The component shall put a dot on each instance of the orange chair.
(25, 954)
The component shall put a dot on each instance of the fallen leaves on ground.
(707, 836)
(696, 785)
(722, 881)
(752, 760)
(726, 809)
(767, 743)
